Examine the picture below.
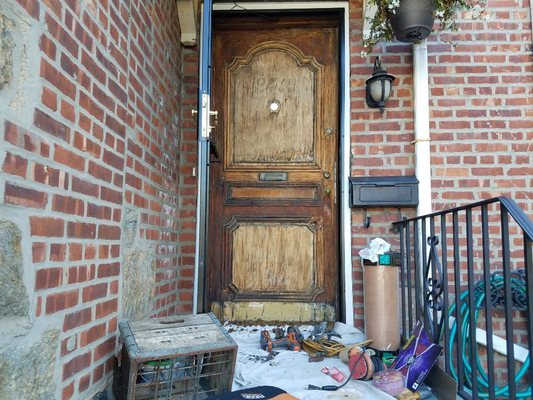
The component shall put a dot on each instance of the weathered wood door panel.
(273, 217)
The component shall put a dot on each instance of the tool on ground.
(335, 373)
(361, 365)
(290, 341)
(332, 388)
(316, 356)
(347, 351)
(279, 333)
(367, 364)
(322, 331)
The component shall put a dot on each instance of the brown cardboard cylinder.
(382, 306)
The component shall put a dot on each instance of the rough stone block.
(14, 301)
(27, 371)
(7, 44)
(138, 284)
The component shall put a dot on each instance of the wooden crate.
(183, 357)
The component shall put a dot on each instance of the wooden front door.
(273, 234)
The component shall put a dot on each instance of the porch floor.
(291, 371)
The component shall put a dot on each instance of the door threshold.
(271, 312)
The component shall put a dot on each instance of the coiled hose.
(497, 283)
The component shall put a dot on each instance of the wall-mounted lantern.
(378, 87)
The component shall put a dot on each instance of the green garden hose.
(497, 283)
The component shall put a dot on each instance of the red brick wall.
(480, 118)
(105, 137)
(381, 144)
(482, 109)
(112, 131)
(188, 182)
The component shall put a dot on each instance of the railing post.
(528, 255)
(506, 258)
(488, 304)
(417, 263)
(472, 343)
(444, 265)
(403, 259)
(458, 315)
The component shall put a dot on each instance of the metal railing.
(467, 274)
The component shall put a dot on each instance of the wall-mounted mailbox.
(383, 191)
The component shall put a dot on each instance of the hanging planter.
(413, 20)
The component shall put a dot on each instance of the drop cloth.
(291, 371)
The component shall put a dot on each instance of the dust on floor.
(291, 371)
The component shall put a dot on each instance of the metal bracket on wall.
(396, 228)
(366, 218)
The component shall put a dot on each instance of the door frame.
(345, 237)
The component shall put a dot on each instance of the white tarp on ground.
(291, 371)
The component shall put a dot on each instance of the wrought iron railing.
(467, 274)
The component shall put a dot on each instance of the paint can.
(361, 365)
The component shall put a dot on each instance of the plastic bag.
(377, 246)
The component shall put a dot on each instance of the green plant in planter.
(413, 20)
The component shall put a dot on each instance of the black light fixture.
(378, 87)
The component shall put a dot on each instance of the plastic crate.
(184, 357)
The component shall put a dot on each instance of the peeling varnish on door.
(262, 261)
(280, 76)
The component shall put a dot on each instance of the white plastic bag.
(377, 246)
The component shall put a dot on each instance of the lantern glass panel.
(376, 89)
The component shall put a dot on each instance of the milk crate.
(185, 357)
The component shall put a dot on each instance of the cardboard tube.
(382, 306)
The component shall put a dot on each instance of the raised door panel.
(273, 260)
(272, 93)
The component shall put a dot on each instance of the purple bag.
(416, 357)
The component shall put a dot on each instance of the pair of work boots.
(291, 341)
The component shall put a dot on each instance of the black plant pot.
(413, 20)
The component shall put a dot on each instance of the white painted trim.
(281, 5)
(187, 21)
(197, 238)
(422, 136)
(369, 10)
(344, 141)
(498, 344)
(345, 150)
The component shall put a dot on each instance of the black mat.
(259, 393)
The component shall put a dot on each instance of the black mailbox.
(383, 191)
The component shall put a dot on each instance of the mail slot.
(383, 191)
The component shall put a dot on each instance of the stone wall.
(95, 223)
(98, 150)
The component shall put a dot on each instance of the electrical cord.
(332, 388)
(329, 347)
(481, 380)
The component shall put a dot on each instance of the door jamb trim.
(347, 305)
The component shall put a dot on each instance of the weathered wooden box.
(183, 357)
